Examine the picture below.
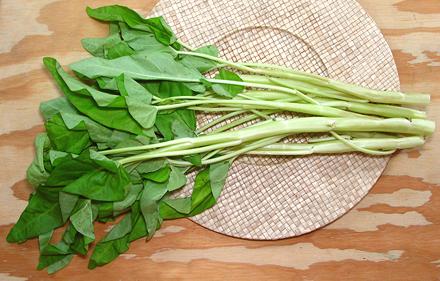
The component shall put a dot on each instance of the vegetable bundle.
(124, 136)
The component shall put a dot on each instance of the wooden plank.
(393, 234)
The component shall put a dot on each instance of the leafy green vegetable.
(101, 185)
(113, 244)
(64, 139)
(41, 215)
(207, 188)
(160, 175)
(201, 64)
(130, 88)
(82, 219)
(36, 174)
(227, 90)
(177, 178)
(151, 195)
(111, 117)
(116, 13)
(98, 46)
(67, 203)
(156, 66)
(142, 112)
(123, 138)
(119, 50)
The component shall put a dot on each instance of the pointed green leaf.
(156, 66)
(82, 219)
(42, 214)
(227, 90)
(177, 178)
(111, 117)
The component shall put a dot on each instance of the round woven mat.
(278, 197)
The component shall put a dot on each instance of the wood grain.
(393, 234)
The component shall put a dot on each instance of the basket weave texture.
(269, 198)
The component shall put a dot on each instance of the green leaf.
(207, 188)
(218, 173)
(201, 64)
(59, 264)
(72, 119)
(195, 159)
(196, 87)
(160, 175)
(107, 83)
(113, 28)
(139, 228)
(105, 210)
(55, 257)
(51, 107)
(201, 197)
(142, 41)
(96, 46)
(81, 244)
(102, 99)
(181, 130)
(42, 214)
(133, 194)
(181, 205)
(151, 166)
(54, 155)
(49, 249)
(119, 230)
(177, 178)
(67, 203)
(73, 140)
(116, 13)
(166, 89)
(130, 88)
(101, 185)
(156, 66)
(111, 117)
(113, 244)
(69, 234)
(54, 263)
(142, 112)
(82, 219)
(97, 132)
(118, 50)
(227, 90)
(36, 174)
(177, 124)
(91, 175)
(68, 169)
(152, 193)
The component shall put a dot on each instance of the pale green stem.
(336, 146)
(354, 90)
(214, 109)
(251, 104)
(238, 152)
(359, 148)
(154, 154)
(186, 46)
(300, 125)
(212, 153)
(239, 122)
(300, 86)
(265, 86)
(261, 114)
(219, 120)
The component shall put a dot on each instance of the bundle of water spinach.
(124, 135)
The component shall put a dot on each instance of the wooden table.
(393, 234)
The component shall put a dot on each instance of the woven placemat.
(278, 197)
